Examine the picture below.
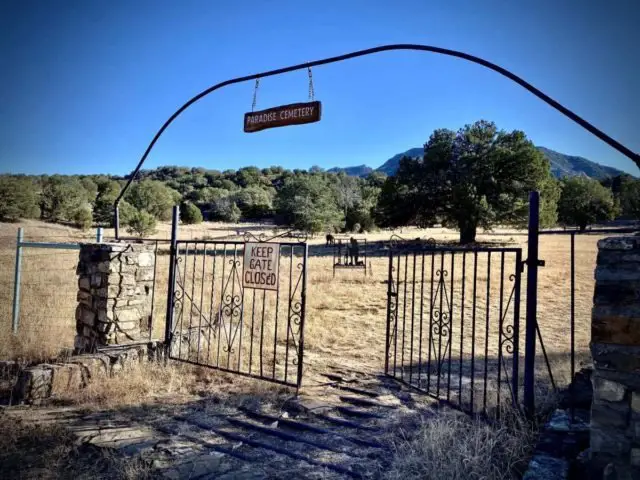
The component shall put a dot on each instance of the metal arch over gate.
(239, 306)
(635, 157)
(453, 324)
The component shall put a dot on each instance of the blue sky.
(85, 84)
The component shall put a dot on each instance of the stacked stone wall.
(115, 291)
(615, 347)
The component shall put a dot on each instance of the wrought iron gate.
(215, 321)
(453, 323)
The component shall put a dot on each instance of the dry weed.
(454, 446)
(48, 452)
(147, 383)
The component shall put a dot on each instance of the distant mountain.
(359, 171)
(391, 166)
(561, 165)
(570, 166)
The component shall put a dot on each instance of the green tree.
(153, 197)
(141, 223)
(307, 203)
(18, 198)
(630, 197)
(225, 209)
(477, 177)
(347, 193)
(108, 191)
(584, 201)
(62, 197)
(190, 214)
(83, 218)
(254, 202)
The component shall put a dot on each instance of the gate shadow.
(481, 384)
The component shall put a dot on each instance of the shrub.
(141, 223)
(190, 214)
(18, 199)
(83, 218)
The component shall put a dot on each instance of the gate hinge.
(541, 263)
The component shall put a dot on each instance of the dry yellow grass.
(345, 317)
(50, 452)
(345, 326)
(456, 447)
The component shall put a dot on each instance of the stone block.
(617, 273)
(127, 315)
(617, 293)
(84, 298)
(130, 259)
(136, 301)
(610, 416)
(607, 390)
(617, 257)
(106, 316)
(128, 279)
(146, 259)
(65, 377)
(96, 280)
(82, 344)
(121, 336)
(111, 291)
(104, 304)
(104, 327)
(620, 329)
(128, 326)
(93, 366)
(144, 274)
(128, 269)
(84, 283)
(85, 316)
(546, 467)
(617, 358)
(635, 402)
(619, 243)
(609, 441)
(33, 385)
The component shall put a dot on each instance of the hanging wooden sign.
(294, 114)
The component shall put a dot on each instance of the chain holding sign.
(284, 115)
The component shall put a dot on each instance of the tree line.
(476, 177)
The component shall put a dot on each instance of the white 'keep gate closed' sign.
(260, 269)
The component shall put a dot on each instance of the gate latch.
(541, 263)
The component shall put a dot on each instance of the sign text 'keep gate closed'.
(261, 261)
(294, 114)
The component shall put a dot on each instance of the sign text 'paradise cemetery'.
(294, 114)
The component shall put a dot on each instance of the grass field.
(345, 317)
(345, 326)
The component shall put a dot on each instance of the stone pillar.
(615, 347)
(115, 288)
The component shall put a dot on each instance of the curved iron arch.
(360, 53)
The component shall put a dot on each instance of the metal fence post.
(173, 255)
(16, 281)
(116, 221)
(99, 234)
(532, 303)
